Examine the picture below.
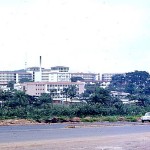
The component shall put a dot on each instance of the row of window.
(39, 89)
(57, 86)
(38, 93)
(39, 84)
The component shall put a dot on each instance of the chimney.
(41, 64)
(40, 77)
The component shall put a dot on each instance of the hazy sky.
(85, 35)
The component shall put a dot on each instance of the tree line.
(136, 83)
(95, 101)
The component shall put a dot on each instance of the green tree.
(45, 98)
(117, 83)
(130, 88)
(11, 85)
(131, 82)
(65, 93)
(19, 99)
(90, 89)
(70, 92)
(101, 96)
(75, 79)
(137, 77)
(6, 95)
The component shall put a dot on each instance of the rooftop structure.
(60, 69)
(34, 69)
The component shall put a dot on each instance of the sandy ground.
(123, 142)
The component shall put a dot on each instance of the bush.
(109, 118)
(131, 118)
(90, 119)
(75, 110)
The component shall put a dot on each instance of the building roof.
(78, 73)
(59, 67)
(53, 83)
(14, 72)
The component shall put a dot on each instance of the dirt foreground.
(16, 122)
(123, 142)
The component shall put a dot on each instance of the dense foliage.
(136, 83)
(132, 82)
(96, 101)
(17, 104)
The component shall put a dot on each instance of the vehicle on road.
(146, 117)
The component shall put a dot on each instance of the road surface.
(75, 136)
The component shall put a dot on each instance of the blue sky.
(86, 35)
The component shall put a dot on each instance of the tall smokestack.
(40, 68)
(40, 63)
(25, 61)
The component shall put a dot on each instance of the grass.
(132, 118)
(110, 119)
(91, 119)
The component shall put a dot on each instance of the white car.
(146, 117)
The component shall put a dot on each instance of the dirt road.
(117, 142)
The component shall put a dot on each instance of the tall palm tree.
(70, 92)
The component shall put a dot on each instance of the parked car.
(146, 117)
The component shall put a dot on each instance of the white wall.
(38, 77)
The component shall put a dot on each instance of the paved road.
(9, 134)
